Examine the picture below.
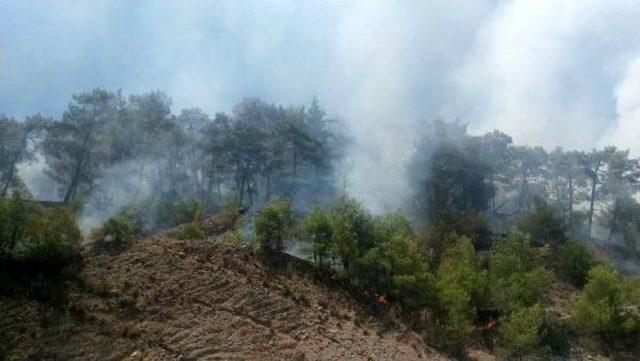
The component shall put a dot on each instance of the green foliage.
(169, 214)
(556, 334)
(154, 214)
(233, 238)
(605, 306)
(71, 146)
(274, 225)
(32, 231)
(544, 225)
(449, 173)
(190, 231)
(316, 228)
(398, 265)
(461, 286)
(572, 262)
(119, 229)
(522, 332)
(353, 231)
(515, 276)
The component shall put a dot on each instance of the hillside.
(163, 299)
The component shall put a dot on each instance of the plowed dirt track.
(199, 300)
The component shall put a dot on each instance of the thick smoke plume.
(549, 73)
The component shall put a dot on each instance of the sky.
(550, 73)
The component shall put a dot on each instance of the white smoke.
(626, 131)
(546, 72)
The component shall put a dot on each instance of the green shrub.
(30, 230)
(190, 231)
(353, 230)
(118, 229)
(605, 306)
(397, 265)
(521, 334)
(573, 262)
(153, 214)
(170, 214)
(316, 229)
(516, 278)
(274, 225)
(544, 225)
(461, 288)
(233, 238)
(556, 334)
(411, 283)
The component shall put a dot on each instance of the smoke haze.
(546, 72)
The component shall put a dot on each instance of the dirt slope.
(185, 300)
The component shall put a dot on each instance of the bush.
(31, 231)
(274, 226)
(190, 231)
(544, 225)
(316, 228)
(461, 288)
(353, 230)
(516, 279)
(118, 229)
(522, 334)
(170, 214)
(397, 265)
(573, 262)
(556, 334)
(154, 214)
(605, 306)
(233, 238)
(444, 233)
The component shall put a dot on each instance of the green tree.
(461, 285)
(605, 306)
(30, 230)
(573, 262)
(74, 147)
(516, 279)
(14, 147)
(353, 230)
(544, 225)
(274, 226)
(529, 167)
(621, 181)
(522, 334)
(594, 168)
(316, 228)
(396, 265)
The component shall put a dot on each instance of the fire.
(382, 299)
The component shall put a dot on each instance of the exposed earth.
(163, 299)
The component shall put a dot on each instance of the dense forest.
(471, 257)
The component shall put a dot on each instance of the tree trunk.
(295, 161)
(493, 196)
(71, 191)
(250, 194)
(267, 194)
(614, 217)
(592, 200)
(7, 182)
(558, 200)
(10, 175)
(523, 188)
(571, 203)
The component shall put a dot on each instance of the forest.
(472, 256)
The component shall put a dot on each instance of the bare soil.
(162, 299)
